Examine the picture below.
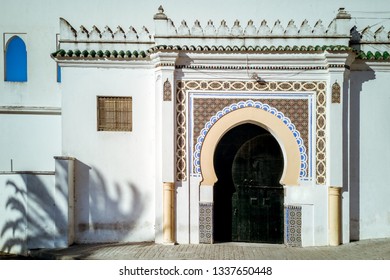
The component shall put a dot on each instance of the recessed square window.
(114, 113)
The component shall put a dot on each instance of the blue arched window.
(16, 60)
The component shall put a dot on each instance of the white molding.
(370, 65)
(138, 64)
(30, 110)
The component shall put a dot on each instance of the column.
(169, 213)
(335, 221)
(165, 146)
(338, 88)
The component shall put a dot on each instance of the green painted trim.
(143, 54)
(373, 56)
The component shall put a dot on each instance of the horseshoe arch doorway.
(248, 198)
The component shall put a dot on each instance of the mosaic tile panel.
(293, 225)
(294, 109)
(230, 86)
(206, 222)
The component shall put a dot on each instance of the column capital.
(339, 61)
(165, 60)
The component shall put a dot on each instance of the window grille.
(114, 113)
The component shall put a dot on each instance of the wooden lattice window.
(114, 113)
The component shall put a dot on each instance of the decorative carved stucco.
(167, 91)
(336, 97)
(230, 86)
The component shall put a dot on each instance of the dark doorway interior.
(248, 199)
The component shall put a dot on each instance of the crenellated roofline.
(130, 44)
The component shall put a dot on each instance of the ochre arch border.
(274, 125)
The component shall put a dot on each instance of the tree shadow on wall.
(106, 212)
(103, 212)
(29, 216)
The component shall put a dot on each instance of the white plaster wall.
(27, 212)
(314, 201)
(30, 140)
(115, 171)
(39, 20)
(369, 179)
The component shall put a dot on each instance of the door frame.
(257, 116)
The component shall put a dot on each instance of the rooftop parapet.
(370, 39)
(106, 38)
(128, 43)
(264, 34)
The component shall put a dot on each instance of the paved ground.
(363, 250)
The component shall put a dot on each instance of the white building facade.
(201, 132)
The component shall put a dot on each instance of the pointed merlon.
(237, 29)
(381, 34)
(291, 29)
(210, 30)
(250, 29)
(197, 30)
(83, 33)
(305, 28)
(319, 28)
(95, 33)
(183, 29)
(264, 29)
(223, 30)
(277, 29)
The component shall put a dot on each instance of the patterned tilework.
(336, 97)
(230, 86)
(320, 134)
(206, 222)
(167, 91)
(294, 109)
(293, 225)
(181, 131)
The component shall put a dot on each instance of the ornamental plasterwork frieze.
(219, 107)
(167, 96)
(222, 87)
(336, 96)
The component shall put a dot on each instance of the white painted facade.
(118, 176)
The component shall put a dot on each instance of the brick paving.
(377, 249)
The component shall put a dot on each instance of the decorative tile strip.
(293, 225)
(206, 222)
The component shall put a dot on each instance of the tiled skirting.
(293, 225)
(206, 222)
